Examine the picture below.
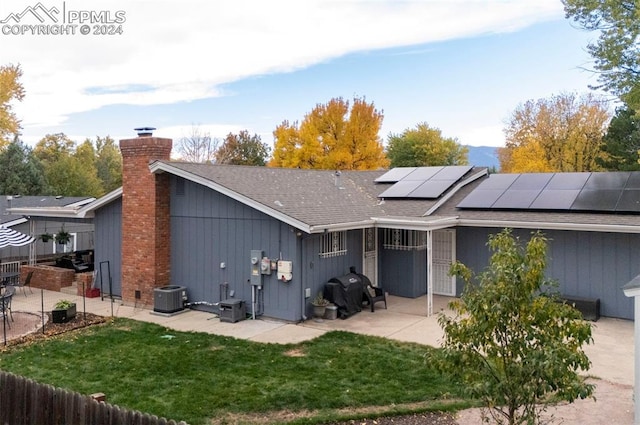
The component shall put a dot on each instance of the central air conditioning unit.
(169, 299)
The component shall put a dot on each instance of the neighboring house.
(12, 214)
(201, 225)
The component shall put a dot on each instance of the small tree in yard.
(512, 344)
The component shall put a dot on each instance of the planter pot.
(318, 310)
(63, 315)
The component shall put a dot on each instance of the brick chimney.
(145, 218)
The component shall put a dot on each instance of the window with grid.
(333, 244)
(405, 240)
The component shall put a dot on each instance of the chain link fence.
(29, 313)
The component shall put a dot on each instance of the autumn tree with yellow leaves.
(562, 133)
(10, 89)
(335, 135)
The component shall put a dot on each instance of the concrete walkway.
(405, 319)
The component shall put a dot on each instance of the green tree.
(242, 149)
(20, 172)
(512, 343)
(10, 89)
(616, 53)
(108, 163)
(69, 171)
(335, 135)
(566, 129)
(424, 146)
(621, 144)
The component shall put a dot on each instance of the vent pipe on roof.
(338, 181)
(145, 131)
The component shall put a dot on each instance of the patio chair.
(26, 283)
(372, 295)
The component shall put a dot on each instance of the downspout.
(303, 297)
(429, 273)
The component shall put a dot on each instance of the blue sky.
(225, 66)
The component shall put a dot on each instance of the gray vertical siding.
(404, 273)
(316, 271)
(108, 246)
(208, 229)
(585, 264)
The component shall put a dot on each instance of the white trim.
(89, 209)
(614, 228)
(412, 223)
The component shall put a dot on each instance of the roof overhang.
(67, 211)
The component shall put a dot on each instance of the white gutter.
(60, 212)
(613, 228)
(416, 224)
(158, 166)
(342, 226)
(72, 210)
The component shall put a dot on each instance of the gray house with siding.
(402, 228)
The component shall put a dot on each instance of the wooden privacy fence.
(25, 402)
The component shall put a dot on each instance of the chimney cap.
(144, 131)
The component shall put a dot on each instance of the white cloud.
(174, 51)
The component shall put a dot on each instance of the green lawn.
(197, 376)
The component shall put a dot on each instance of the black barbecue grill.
(346, 293)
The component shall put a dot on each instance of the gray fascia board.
(583, 227)
(158, 167)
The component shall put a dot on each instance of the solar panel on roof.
(596, 192)
(431, 189)
(531, 181)
(516, 199)
(395, 175)
(480, 198)
(422, 173)
(421, 182)
(629, 201)
(401, 189)
(574, 181)
(597, 200)
(550, 199)
(633, 182)
(498, 181)
(453, 172)
(616, 180)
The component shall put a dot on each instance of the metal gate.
(442, 257)
(370, 260)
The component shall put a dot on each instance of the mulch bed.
(27, 327)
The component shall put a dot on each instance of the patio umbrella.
(10, 237)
